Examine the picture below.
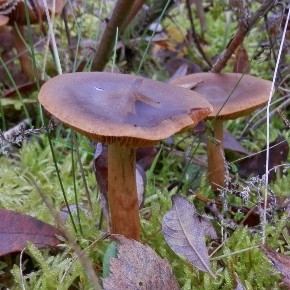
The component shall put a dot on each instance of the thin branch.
(106, 43)
(201, 16)
(244, 27)
(262, 120)
(133, 12)
(194, 35)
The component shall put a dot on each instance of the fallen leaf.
(241, 60)
(138, 267)
(145, 157)
(185, 232)
(16, 229)
(255, 165)
(100, 167)
(6, 37)
(281, 263)
(232, 144)
(180, 72)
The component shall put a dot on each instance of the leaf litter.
(138, 267)
(16, 229)
(184, 231)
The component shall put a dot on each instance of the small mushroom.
(13, 12)
(232, 95)
(125, 112)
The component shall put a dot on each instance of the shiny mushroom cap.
(122, 108)
(246, 92)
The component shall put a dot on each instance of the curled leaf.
(185, 232)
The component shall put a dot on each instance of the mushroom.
(232, 95)
(125, 112)
(13, 12)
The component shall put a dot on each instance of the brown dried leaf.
(138, 267)
(145, 156)
(231, 143)
(255, 165)
(16, 229)
(185, 232)
(281, 263)
(241, 60)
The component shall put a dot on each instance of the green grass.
(45, 269)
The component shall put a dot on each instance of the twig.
(17, 134)
(133, 12)
(262, 120)
(201, 16)
(194, 35)
(147, 16)
(8, 135)
(245, 26)
(286, 121)
(106, 43)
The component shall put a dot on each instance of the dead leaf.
(255, 165)
(185, 232)
(16, 229)
(281, 263)
(232, 144)
(180, 72)
(138, 267)
(145, 156)
(100, 167)
(178, 66)
(6, 43)
(241, 60)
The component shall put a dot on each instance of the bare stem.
(245, 26)
(215, 155)
(106, 43)
(122, 192)
(133, 12)
(194, 35)
(23, 54)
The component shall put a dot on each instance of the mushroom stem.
(215, 156)
(23, 54)
(122, 192)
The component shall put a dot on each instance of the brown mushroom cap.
(250, 94)
(122, 108)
